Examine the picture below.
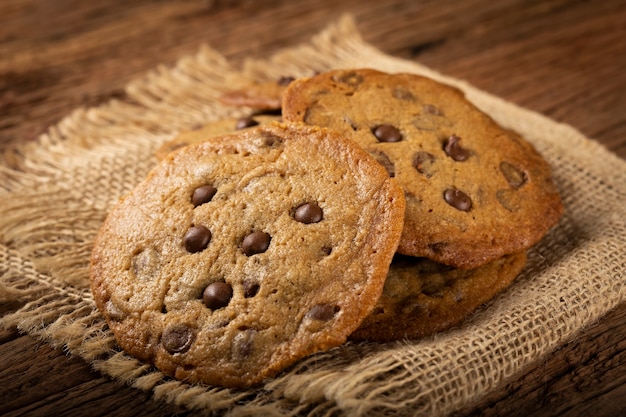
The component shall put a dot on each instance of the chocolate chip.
(197, 238)
(384, 160)
(284, 81)
(429, 108)
(203, 194)
(454, 150)
(177, 338)
(423, 162)
(255, 242)
(431, 120)
(411, 307)
(457, 199)
(308, 213)
(353, 125)
(272, 141)
(437, 247)
(514, 176)
(387, 133)
(145, 264)
(433, 284)
(217, 295)
(323, 312)
(250, 288)
(243, 343)
(350, 78)
(245, 122)
(509, 199)
(402, 93)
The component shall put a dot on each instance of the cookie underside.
(422, 297)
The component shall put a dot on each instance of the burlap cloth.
(55, 193)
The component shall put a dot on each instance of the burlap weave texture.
(54, 195)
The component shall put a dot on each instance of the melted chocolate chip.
(423, 162)
(410, 307)
(243, 343)
(387, 133)
(250, 288)
(308, 213)
(245, 122)
(350, 78)
(203, 194)
(284, 81)
(454, 150)
(322, 312)
(197, 238)
(429, 108)
(437, 247)
(272, 141)
(255, 242)
(402, 93)
(145, 264)
(509, 199)
(433, 285)
(457, 199)
(385, 161)
(514, 176)
(431, 119)
(177, 338)
(353, 125)
(217, 295)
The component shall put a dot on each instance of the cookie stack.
(382, 207)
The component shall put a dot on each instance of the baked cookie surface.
(209, 130)
(238, 256)
(422, 297)
(474, 191)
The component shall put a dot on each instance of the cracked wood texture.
(563, 58)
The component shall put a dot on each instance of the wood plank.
(562, 58)
(57, 384)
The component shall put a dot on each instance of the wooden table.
(565, 59)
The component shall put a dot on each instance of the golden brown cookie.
(262, 95)
(422, 297)
(474, 191)
(238, 256)
(216, 128)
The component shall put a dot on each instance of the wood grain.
(563, 58)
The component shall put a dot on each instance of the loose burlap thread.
(55, 194)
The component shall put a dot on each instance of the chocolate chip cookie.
(240, 255)
(216, 128)
(422, 297)
(474, 190)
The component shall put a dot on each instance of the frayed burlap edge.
(56, 192)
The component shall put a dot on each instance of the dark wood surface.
(565, 59)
